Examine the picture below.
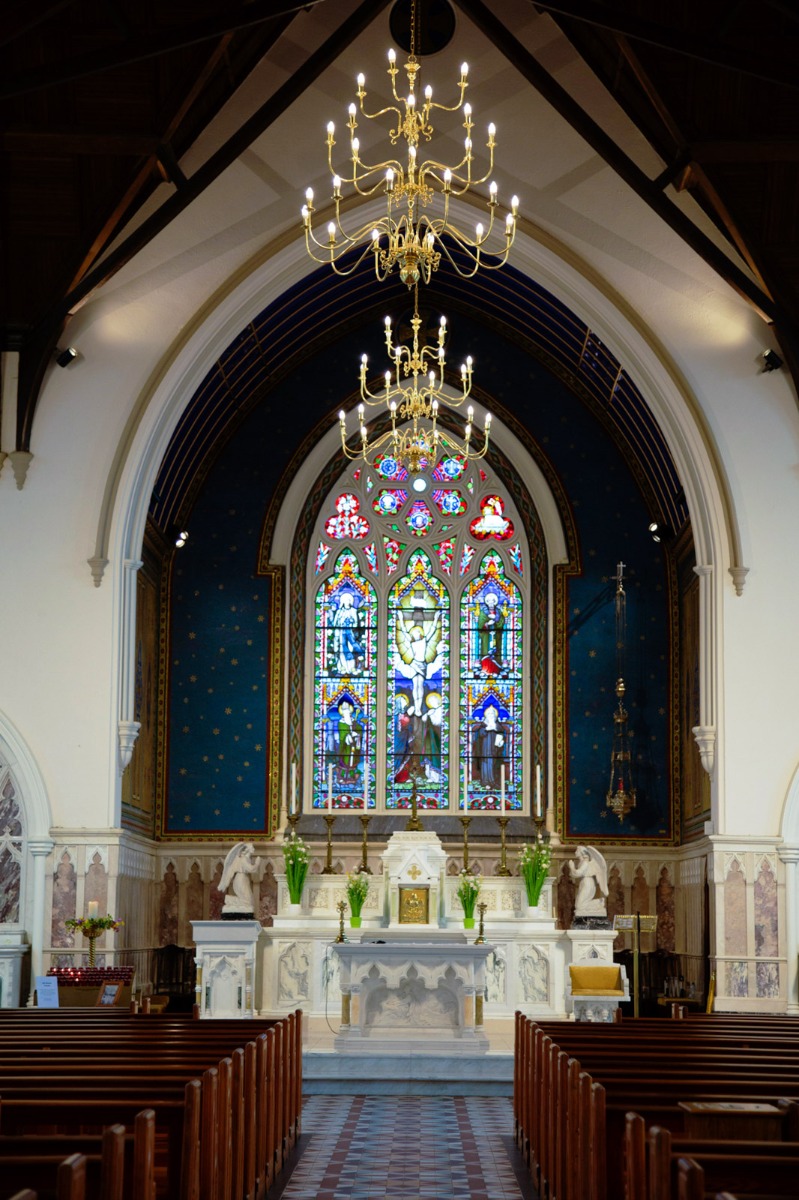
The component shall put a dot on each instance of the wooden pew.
(213, 1144)
(562, 1070)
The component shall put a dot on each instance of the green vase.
(355, 922)
(468, 922)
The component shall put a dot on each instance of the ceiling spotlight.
(181, 538)
(65, 357)
(660, 533)
(771, 361)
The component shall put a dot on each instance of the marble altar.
(397, 992)
(527, 958)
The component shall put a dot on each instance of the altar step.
(327, 1073)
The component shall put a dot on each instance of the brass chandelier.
(413, 443)
(407, 236)
(621, 796)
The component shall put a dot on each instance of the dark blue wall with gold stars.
(220, 719)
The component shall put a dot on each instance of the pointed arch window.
(419, 634)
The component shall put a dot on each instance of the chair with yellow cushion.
(594, 991)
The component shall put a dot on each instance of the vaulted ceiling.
(102, 100)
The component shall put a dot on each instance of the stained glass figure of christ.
(418, 622)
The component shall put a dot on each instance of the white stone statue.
(237, 879)
(591, 869)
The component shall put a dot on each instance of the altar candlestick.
(93, 909)
(330, 786)
(539, 811)
(366, 787)
(502, 787)
(293, 808)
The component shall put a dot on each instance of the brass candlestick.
(328, 868)
(466, 822)
(539, 819)
(342, 908)
(365, 818)
(293, 818)
(481, 908)
(414, 821)
(503, 868)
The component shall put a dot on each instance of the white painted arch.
(280, 266)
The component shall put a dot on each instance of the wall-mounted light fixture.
(771, 360)
(181, 537)
(660, 532)
(65, 357)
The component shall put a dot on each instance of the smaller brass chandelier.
(411, 405)
(621, 795)
(406, 236)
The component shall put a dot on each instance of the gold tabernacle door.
(414, 905)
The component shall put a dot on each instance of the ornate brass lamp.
(621, 795)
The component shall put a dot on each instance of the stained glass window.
(418, 725)
(491, 689)
(418, 558)
(344, 687)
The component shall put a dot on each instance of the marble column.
(790, 856)
(39, 849)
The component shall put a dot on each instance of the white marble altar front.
(399, 990)
(525, 967)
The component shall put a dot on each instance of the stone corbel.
(97, 566)
(128, 732)
(20, 461)
(705, 738)
(739, 575)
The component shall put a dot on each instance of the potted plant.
(534, 868)
(296, 857)
(357, 891)
(467, 893)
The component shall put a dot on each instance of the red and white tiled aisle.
(407, 1148)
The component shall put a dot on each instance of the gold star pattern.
(228, 711)
(192, 636)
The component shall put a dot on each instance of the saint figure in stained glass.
(490, 627)
(489, 742)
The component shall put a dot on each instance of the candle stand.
(364, 818)
(91, 937)
(503, 868)
(342, 908)
(466, 822)
(480, 939)
(293, 818)
(328, 868)
(414, 821)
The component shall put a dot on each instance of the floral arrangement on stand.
(296, 856)
(534, 867)
(357, 891)
(467, 892)
(92, 928)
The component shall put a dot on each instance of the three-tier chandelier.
(621, 796)
(412, 394)
(408, 236)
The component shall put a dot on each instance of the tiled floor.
(407, 1148)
